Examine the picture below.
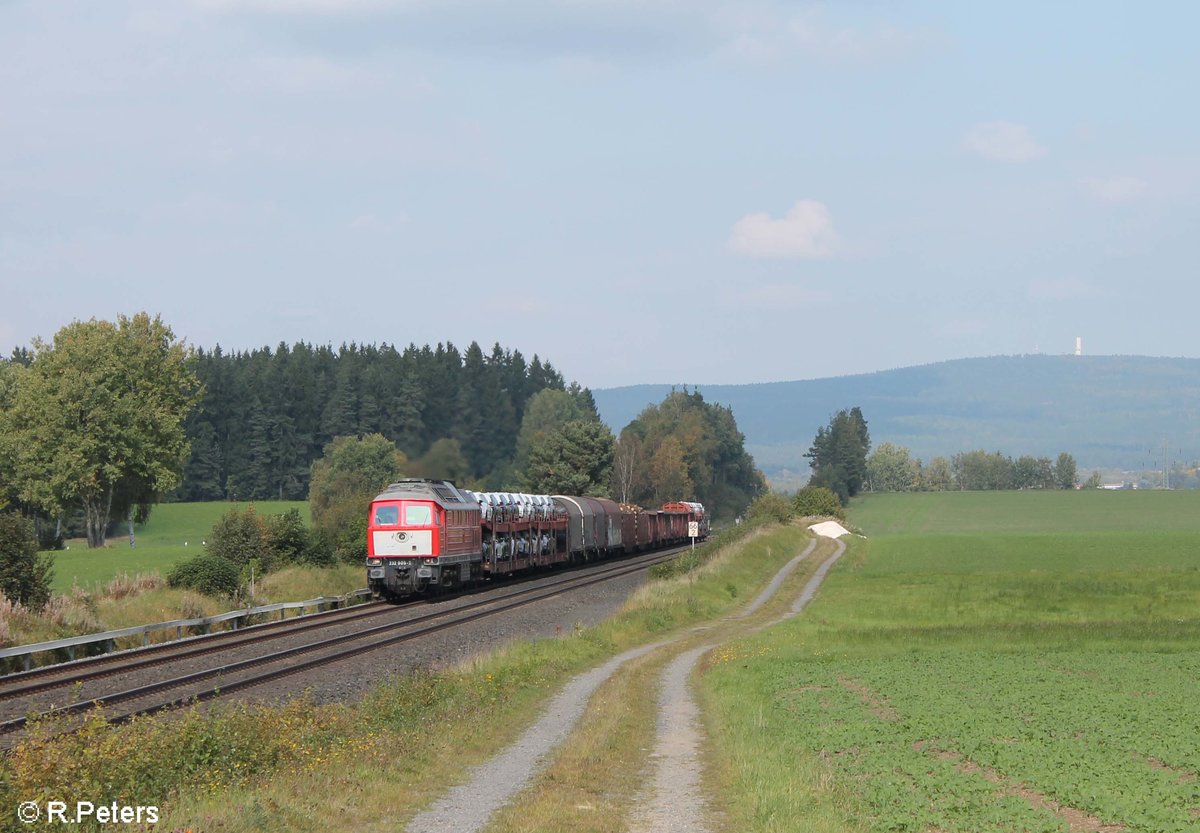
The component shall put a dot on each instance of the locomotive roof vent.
(447, 492)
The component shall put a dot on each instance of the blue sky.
(651, 191)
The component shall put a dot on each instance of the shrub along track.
(182, 673)
(674, 800)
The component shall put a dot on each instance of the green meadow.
(1093, 510)
(174, 532)
(980, 661)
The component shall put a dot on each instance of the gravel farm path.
(672, 800)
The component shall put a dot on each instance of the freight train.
(425, 536)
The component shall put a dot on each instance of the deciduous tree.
(891, 468)
(443, 461)
(1066, 473)
(97, 419)
(626, 465)
(669, 472)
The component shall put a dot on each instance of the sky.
(637, 190)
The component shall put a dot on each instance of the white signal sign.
(693, 529)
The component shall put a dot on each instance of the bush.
(342, 536)
(321, 548)
(286, 538)
(818, 501)
(770, 506)
(239, 536)
(24, 575)
(210, 574)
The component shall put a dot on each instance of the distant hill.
(1109, 411)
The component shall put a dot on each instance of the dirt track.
(673, 799)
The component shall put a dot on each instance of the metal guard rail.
(109, 638)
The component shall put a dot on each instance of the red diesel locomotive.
(425, 535)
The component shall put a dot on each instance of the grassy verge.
(373, 764)
(972, 679)
(291, 584)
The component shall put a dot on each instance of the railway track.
(45, 678)
(208, 681)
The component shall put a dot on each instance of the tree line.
(267, 415)
(892, 468)
(843, 462)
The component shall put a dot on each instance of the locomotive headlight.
(374, 562)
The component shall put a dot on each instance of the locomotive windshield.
(418, 514)
(387, 515)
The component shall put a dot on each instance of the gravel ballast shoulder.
(351, 679)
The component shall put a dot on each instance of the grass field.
(1002, 661)
(174, 532)
(1093, 510)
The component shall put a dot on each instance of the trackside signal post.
(693, 532)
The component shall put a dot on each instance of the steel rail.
(135, 659)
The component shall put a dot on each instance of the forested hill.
(1108, 411)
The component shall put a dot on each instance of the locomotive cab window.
(387, 515)
(418, 514)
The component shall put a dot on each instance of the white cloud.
(1064, 289)
(805, 232)
(1116, 189)
(1004, 141)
